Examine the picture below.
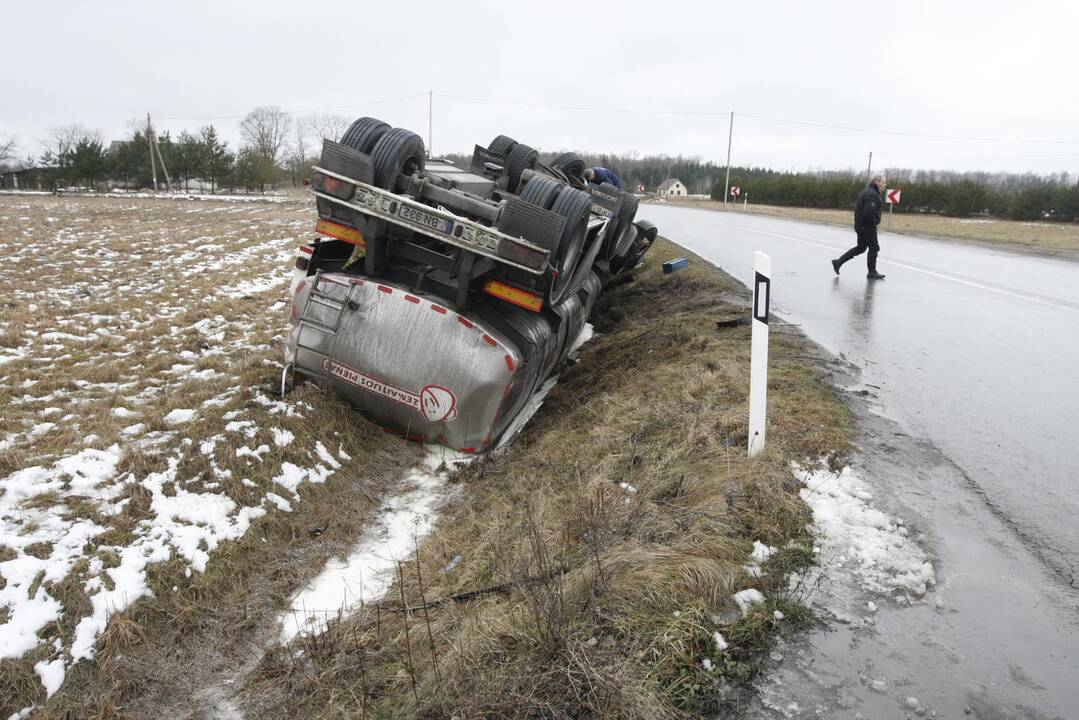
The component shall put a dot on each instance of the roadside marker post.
(758, 363)
(891, 196)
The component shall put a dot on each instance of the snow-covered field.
(139, 345)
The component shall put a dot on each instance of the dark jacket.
(867, 208)
(603, 175)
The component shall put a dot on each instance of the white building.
(671, 187)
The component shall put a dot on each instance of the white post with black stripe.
(758, 363)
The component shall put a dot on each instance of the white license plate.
(426, 219)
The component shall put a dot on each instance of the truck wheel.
(541, 191)
(627, 210)
(398, 152)
(571, 164)
(502, 145)
(364, 133)
(520, 158)
(648, 230)
(575, 206)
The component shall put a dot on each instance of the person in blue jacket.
(867, 211)
(600, 175)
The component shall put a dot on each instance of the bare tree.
(7, 148)
(327, 126)
(266, 130)
(298, 159)
(62, 140)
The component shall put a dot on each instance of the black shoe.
(875, 276)
(836, 265)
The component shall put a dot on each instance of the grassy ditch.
(585, 571)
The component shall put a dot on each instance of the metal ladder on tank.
(329, 332)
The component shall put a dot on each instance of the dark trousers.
(867, 240)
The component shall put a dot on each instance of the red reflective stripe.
(490, 340)
(357, 282)
(305, 249)
(301, 286)
(509, 363)
(468, 450)
(385, 289)
(439, 309)
(414, 438)
(412, 299)
(465, 322)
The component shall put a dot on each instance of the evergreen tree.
(216, 159)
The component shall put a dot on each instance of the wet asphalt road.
(973, 353)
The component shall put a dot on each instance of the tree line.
(1006, 195)
(275, 147)
(1018, 196)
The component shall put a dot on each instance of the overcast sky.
(988, 69)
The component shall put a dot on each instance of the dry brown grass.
(575, 595)
(1044, 237)
(565, 600)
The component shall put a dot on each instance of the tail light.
(522, 254)
(332, 186)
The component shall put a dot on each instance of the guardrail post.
(758, 364)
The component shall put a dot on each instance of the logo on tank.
(434, 402)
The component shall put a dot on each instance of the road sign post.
(891, 196)
(758, 363)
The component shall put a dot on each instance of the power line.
(908, 134)
(848, 128)
(301, 112)
(626, 111)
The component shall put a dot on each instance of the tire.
(363, 134)
(575, 206)
(571, 164)
(622, 219)
(541, 192)
(502, 145)
(520, 158)
(398, 152)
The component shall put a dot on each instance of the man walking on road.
(866, 218)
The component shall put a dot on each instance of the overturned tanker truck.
(438, 299)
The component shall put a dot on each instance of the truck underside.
(439, 299)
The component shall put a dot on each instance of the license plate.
(426, 219)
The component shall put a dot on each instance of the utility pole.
(154, 146)
(430, 122)
(150, 144)
(869, 170)
(727, 183)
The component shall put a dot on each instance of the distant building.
(671, 187)
(14, 178)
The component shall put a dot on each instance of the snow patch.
(365, 575)
(856, 534)
(179, 416)
(746, 599)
